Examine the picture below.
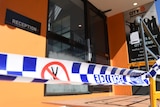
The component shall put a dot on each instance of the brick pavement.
(108, 101)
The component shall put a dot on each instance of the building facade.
(70, 30)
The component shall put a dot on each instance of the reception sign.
(22, 22)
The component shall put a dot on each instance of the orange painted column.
(118, 49)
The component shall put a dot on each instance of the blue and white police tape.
(22, 68)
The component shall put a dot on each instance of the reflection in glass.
(66, 19)
(60, 50)
(66, 39)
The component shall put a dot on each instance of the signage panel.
(22, 22)
(134, 40)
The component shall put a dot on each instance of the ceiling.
(117, 6)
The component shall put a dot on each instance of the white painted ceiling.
(117, 6)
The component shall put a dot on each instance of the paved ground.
(108, 101)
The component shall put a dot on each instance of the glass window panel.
(66, 38)
(67, 35)
(66, 89)
(60, 50)
(56, 27)
(66, 16)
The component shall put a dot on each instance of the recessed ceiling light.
(134, 4)
(79, 25)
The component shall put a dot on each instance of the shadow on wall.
(13, 19)
(29, 16)
(3, 6)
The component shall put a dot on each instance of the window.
(74, 28)
(97, 33)
(66, 30)
(66, 39)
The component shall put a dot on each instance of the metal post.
(153, 99)
(139, 21)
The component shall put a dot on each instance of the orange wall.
(15, 40)
(118, 48)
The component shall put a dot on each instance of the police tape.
(22, 68)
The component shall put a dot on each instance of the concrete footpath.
(108, 101)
